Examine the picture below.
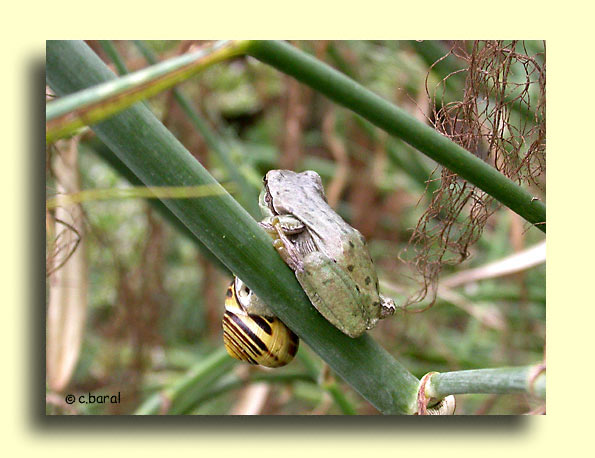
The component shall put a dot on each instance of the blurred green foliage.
(143, 335)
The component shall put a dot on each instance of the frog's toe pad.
(388, 306)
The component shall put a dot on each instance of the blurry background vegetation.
(154, 302)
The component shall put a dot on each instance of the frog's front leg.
(278, 227)
(288, 224)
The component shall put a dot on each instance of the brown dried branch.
(501, 119)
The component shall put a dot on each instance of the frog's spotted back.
(329, 257)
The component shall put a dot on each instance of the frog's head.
(311, 180)
(284, 189)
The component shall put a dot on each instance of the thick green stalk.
(248, 196)
(101, 150)
(97, 102)
(504, 380)
(396, 121)
(157, 158)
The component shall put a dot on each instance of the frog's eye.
(253, 338)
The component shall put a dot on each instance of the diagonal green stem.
(178, 396)
(97, 102)
(114, 55)
(248, 197)
(157, 158)
(397, 122)
(102, 151)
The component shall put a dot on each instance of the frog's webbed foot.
(282, 244)
(387, 306)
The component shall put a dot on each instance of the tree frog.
(329, 257)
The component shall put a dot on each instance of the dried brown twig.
(501, 119)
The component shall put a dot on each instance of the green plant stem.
(99, 101)
(505, 380)
(234, 382)
(114, 55)
(397, 122)
(447, 68)
(248, 196)
(157, 158)
(433, 51)
(332, 387)
(403, 157)
(339, 398)
(433, 54)
(177, 397)
(101, 150)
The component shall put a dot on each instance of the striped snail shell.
(446, 406)
(254, 338)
